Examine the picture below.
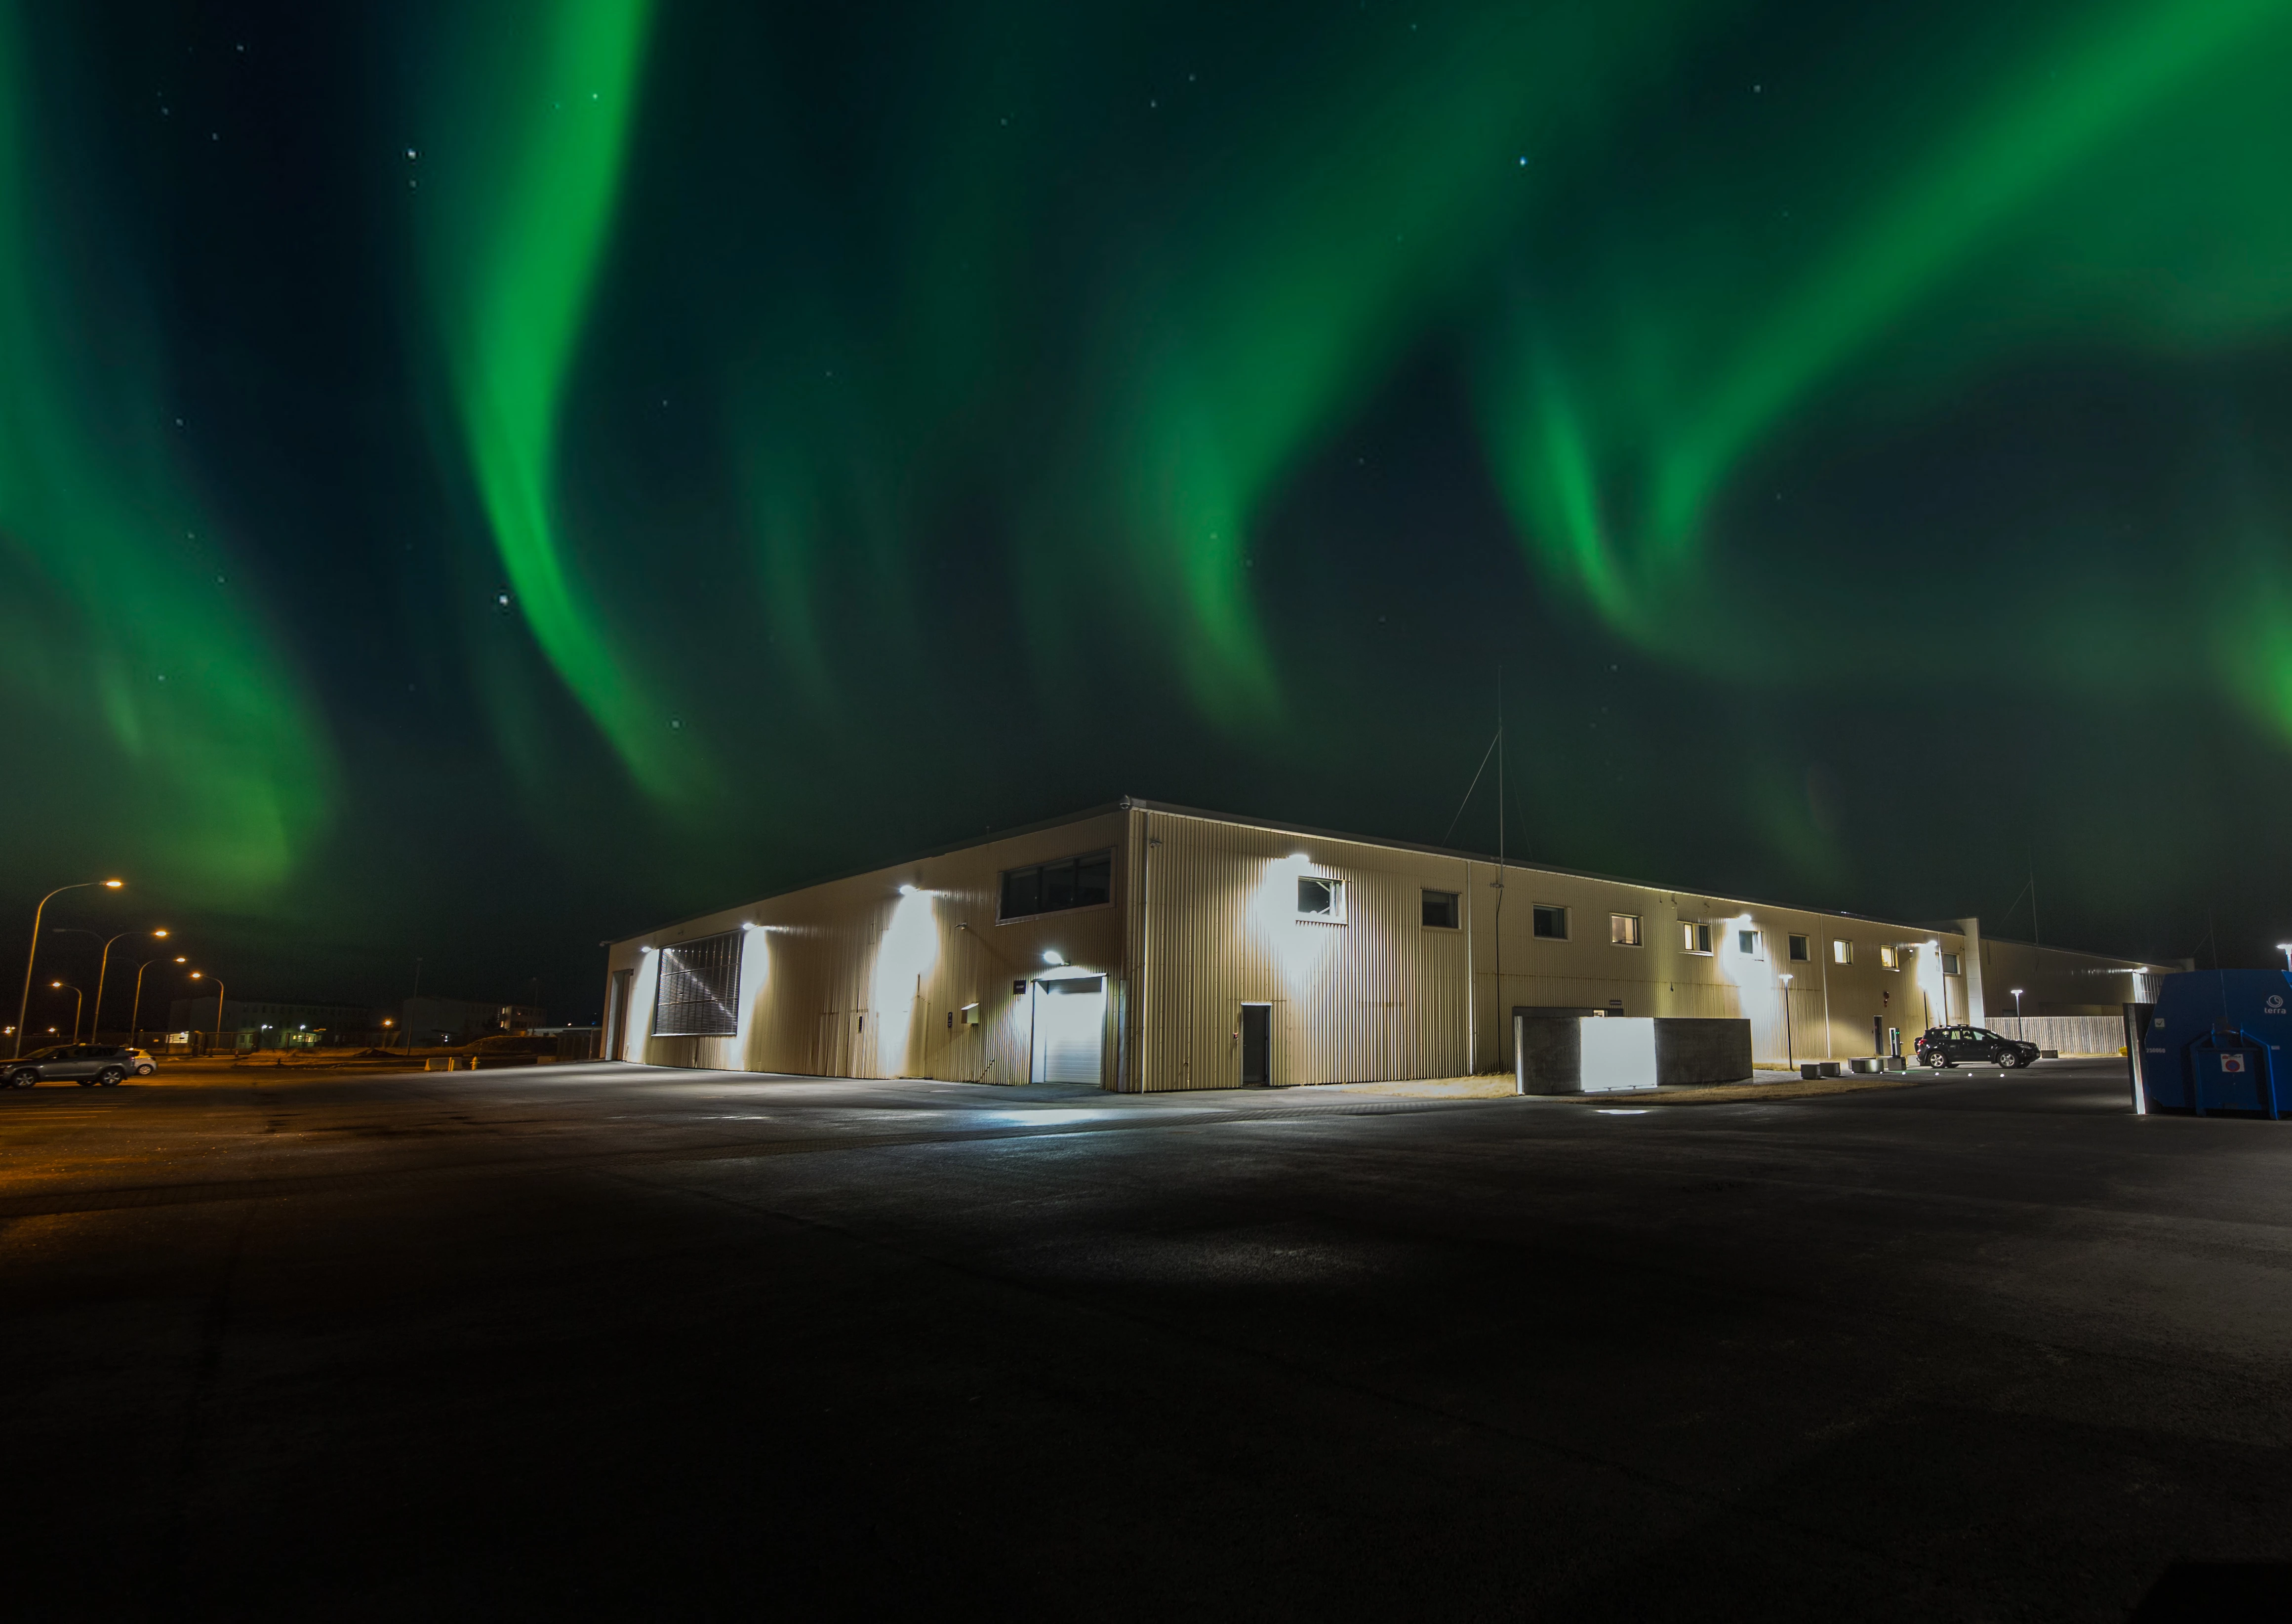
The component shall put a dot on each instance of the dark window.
(1022, 892)
(1552, 923)
(1798, 950)
(1049, 888)
(698, 994)
(1441, 909)
(1318, 898)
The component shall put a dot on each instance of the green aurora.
(750, 441)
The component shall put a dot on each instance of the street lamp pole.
(24, 1004)
(2285, 948)
(1790, 1048)
(103, 969)
(199, 975)
(78, 1003)
(135, 1015)
(2017, 1003)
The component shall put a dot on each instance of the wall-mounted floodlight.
(2284, 948)
(907, 891)
(1299, 857)
(645, 950)
(1052, 955)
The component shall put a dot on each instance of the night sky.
(480, 478)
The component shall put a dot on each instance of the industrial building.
(1146, 947)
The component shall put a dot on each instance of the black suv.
(1947, 1046)
(88, 1064)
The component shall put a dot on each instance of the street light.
(25, 1003)
(201, 975)
(1790, 1052)
(103, 967)
(135, 1015)
(2017, 1003)
(2285, 948)
(77, 1001)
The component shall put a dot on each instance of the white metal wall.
(858, 978)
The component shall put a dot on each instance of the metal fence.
(2068, 1034)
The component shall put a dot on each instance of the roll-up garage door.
(1072, 1016)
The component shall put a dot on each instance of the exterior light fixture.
(1052, 955)
(113, 884)
(907, 891)
(2017, 1003)
(159, 933)
(2285, 948)
(1299, 857)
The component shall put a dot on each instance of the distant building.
(1144, 948)
(459, 1020)
(265, 1026)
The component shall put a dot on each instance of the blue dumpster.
(2215, 1044)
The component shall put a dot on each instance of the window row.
(1049, 888)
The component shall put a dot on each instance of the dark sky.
(479, 477)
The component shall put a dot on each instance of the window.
(1842, 952)
(1623, 930)
(1890, 959)
(1746, 942)
(1049, 888)
(1440, 910)
(1949, 964)
(1799, 950)
(699, 992)
(1551, 922)
(1695, 938)
(1320, 898)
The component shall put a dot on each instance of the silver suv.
(89, 1065)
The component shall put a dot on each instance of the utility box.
(1558, 1052)
(2214, 1045)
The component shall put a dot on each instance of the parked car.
(1949, 1046)
(89, 1065)
(139, 1061)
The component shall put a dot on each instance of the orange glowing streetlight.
(201, 975)
(135, 1015)
(77, 1002)
(103, 969)
(25, 1003)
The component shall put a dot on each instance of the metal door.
(1256, 1029)
(1070, 1019)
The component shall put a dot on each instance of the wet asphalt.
(619, 1342)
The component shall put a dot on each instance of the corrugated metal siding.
(853, 978)
(1368, 999)
(1384, 996)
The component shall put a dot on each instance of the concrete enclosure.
(1149, 947)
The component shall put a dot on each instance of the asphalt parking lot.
(612, 1341)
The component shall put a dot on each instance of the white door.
(1071, 1024)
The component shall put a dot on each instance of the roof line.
(1139, 803)
(991, 836)
(1581, 874)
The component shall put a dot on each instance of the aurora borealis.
(477, 478)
